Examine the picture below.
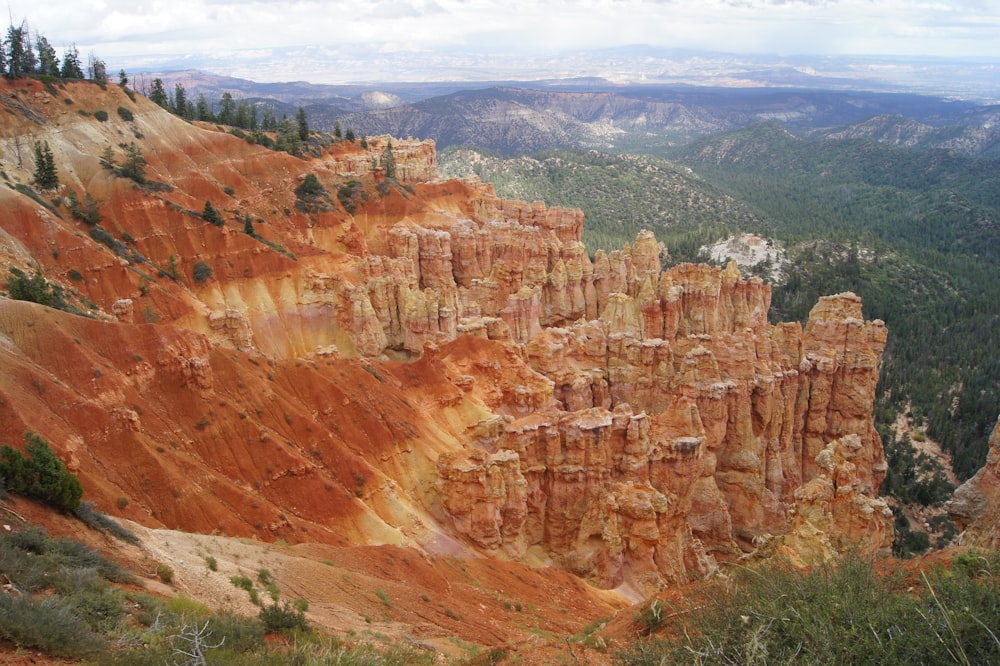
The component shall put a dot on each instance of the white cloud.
(118, 29)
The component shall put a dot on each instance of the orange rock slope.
(976, 504)
(413, 361)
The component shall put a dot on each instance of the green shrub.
(99, 606)
(34, 288)
(844, 613)
(242, 633)
(350, 194)
(201, 272)
(210, 215)
(105, 237)
(134, 165)
(165, 573)
(282, 617)
(27, 572)
(50, 624)
(101, 115)
(66, 604)
(241, 582)
(40, 475)
(184, 606)
(125, 114)
(309, 187)
(98, 521)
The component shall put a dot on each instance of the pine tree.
(303, 125)
(210, 215)
(336, 130)
(97, 70)
(389, 161)
(71, 67)
(248, 225)
(48, 61)
(18, 50)
(202, 111)
(288, 138)
(180, 101)
(108, 157)
(172, 271)
(246, 116)
(227, 109)
(269, 123)
(46, 176)
(134, 166)
(40, 474)
(158, 95)
(122, 78)
(89, 212)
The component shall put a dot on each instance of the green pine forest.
(916, 234)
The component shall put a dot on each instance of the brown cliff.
(412, 361)
(975, 507)
(711, 431)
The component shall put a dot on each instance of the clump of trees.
(210, 215)
(389, 161)
(46, 176)
(39, 475)
(88, 211)
(844, 612)
(35, 289)
(310, 195)
(133, 165)
(21, 56)
(254, 122)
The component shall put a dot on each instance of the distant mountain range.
(517, 117)
(638, 64)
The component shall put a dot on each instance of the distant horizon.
(119, 28)
(961, 77)
(335, 41)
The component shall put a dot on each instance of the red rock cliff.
(413, 360)
(976, 504)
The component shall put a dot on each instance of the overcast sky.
(134, 33)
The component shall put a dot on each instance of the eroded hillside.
(362, 360)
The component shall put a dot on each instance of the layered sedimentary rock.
(415, 160)
(685, 425)
(835, 512)
(628, 423)
(678, 425)
(976, 504)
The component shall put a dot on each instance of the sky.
(141, 33)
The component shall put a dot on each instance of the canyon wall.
(976, 504)
(520, 397)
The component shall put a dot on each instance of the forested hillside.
(620, 194)
(915, 233)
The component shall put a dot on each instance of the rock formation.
(976, 504)
(659, 453)
(835, 511)
(417, 361)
